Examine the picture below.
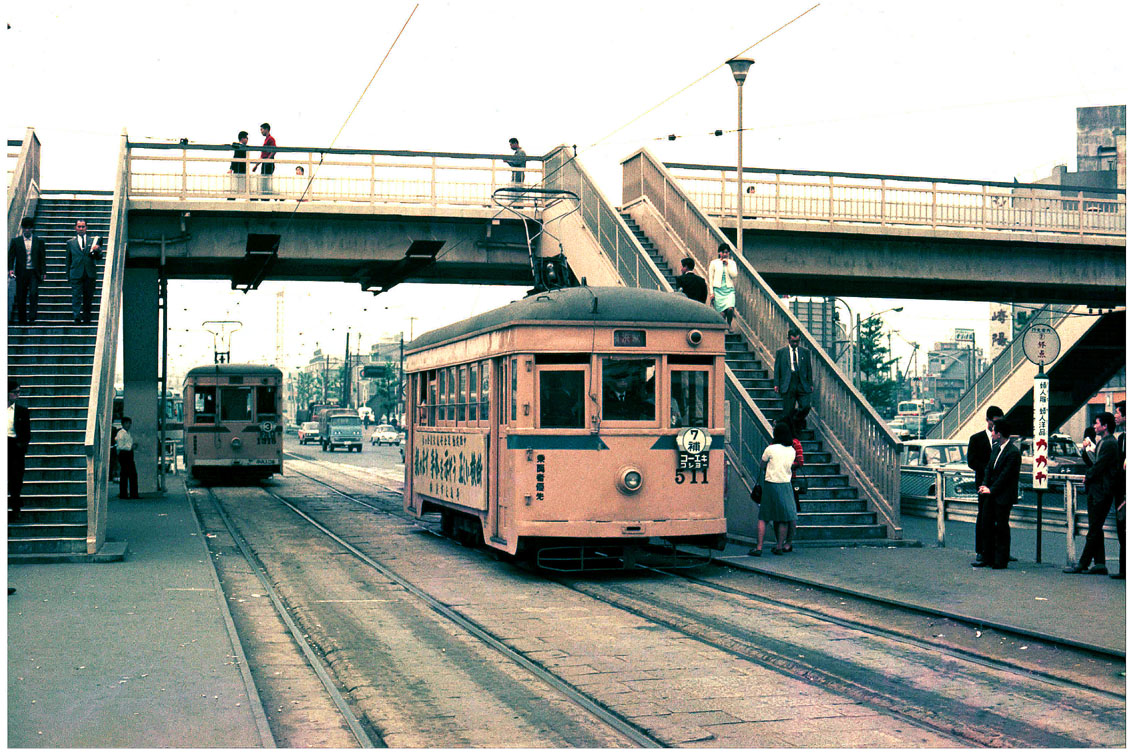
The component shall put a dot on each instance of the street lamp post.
(740, 68)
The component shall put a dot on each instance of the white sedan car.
(385, 434)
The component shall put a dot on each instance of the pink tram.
(232, 422)
(572, 426)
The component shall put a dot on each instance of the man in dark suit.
(1100, 478)
(980, 451)
(793, 380)
(27, 267)
(82, 252)
(623, 398)
(1002, 487)
(19, 437)
(691, 284)
(1120, 487)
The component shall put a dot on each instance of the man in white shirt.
(128, 474)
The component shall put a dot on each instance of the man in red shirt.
(267, 163)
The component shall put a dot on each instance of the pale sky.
(966, 89)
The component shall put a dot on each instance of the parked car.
(898, 426)
(309, 433)
(385, 434)
(932, 453)
(1062, 455)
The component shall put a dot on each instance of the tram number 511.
(692, 464)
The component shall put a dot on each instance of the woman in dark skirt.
(777, 504)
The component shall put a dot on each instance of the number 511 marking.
(679, 476)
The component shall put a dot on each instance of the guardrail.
(776, 194)
(1064, 509)
(858, 437)
(101, 402)
(1005, 365)
(23, 186)
(432, 179)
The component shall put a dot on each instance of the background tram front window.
(627, 389)
(561, 399)
(236, 404)
(205, 404)
(266, 403)
(689, 398)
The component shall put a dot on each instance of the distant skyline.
(970, 90)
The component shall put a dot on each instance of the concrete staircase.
(831, 510)
(53, 360)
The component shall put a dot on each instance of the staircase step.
(838, 532)
(812, 519)
(45, 545)
(832, 505)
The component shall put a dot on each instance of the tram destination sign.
(1041, 344)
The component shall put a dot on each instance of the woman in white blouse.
(777, 503)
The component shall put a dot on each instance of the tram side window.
(689, 398)
(513, 389)
(433, 397)
(205, 404)
(561, 395)
(485, 367)
(451, 397)
(236, 404)
(442, 394)
(628, 389)
(462, 392)
(266, 408)
(474, 388)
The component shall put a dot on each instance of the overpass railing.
(23, 183)
(1003, 367)
(316, 174)
(773, 194)
(101, 404)
(858, 437)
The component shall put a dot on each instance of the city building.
(820, 318)
(952, 367)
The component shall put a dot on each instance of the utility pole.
(279, 328)
(344, 395)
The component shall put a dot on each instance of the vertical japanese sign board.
(1041, 346)
(451, 467)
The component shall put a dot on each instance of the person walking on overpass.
(518, 160)
(82, 252)
(27, 268)
(267, 164)
(793, 379)
(691, 284)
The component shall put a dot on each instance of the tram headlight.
(694, 337)
(629, 480)
(236, 444)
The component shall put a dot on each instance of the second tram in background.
(232, 422)
(574, 426)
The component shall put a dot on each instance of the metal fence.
(946, 495)
(905, 201)
(321, 175)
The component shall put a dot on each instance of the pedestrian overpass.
(380, 217)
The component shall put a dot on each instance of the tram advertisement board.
(451, 467)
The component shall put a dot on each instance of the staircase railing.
(100, 406)
(856, 434)
(1005, 364)
(749, 431)
(563, 171)
(23, 191)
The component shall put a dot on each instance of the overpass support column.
(140, 369)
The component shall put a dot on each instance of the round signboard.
(1041, 344)
(694, 440)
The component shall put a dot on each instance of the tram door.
(498, 442)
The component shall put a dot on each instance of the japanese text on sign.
(1039, 433)
(451, 467)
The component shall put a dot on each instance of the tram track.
(626, 733)
(973, 724)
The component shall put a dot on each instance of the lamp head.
(740, 68)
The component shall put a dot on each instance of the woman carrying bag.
(777, 501)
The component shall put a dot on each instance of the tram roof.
(233, 368)
(583, 304)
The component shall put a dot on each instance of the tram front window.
(266, 403)
(628, 389)
(561, 399)
(689, 396)
(205, 404)
(236, 404)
